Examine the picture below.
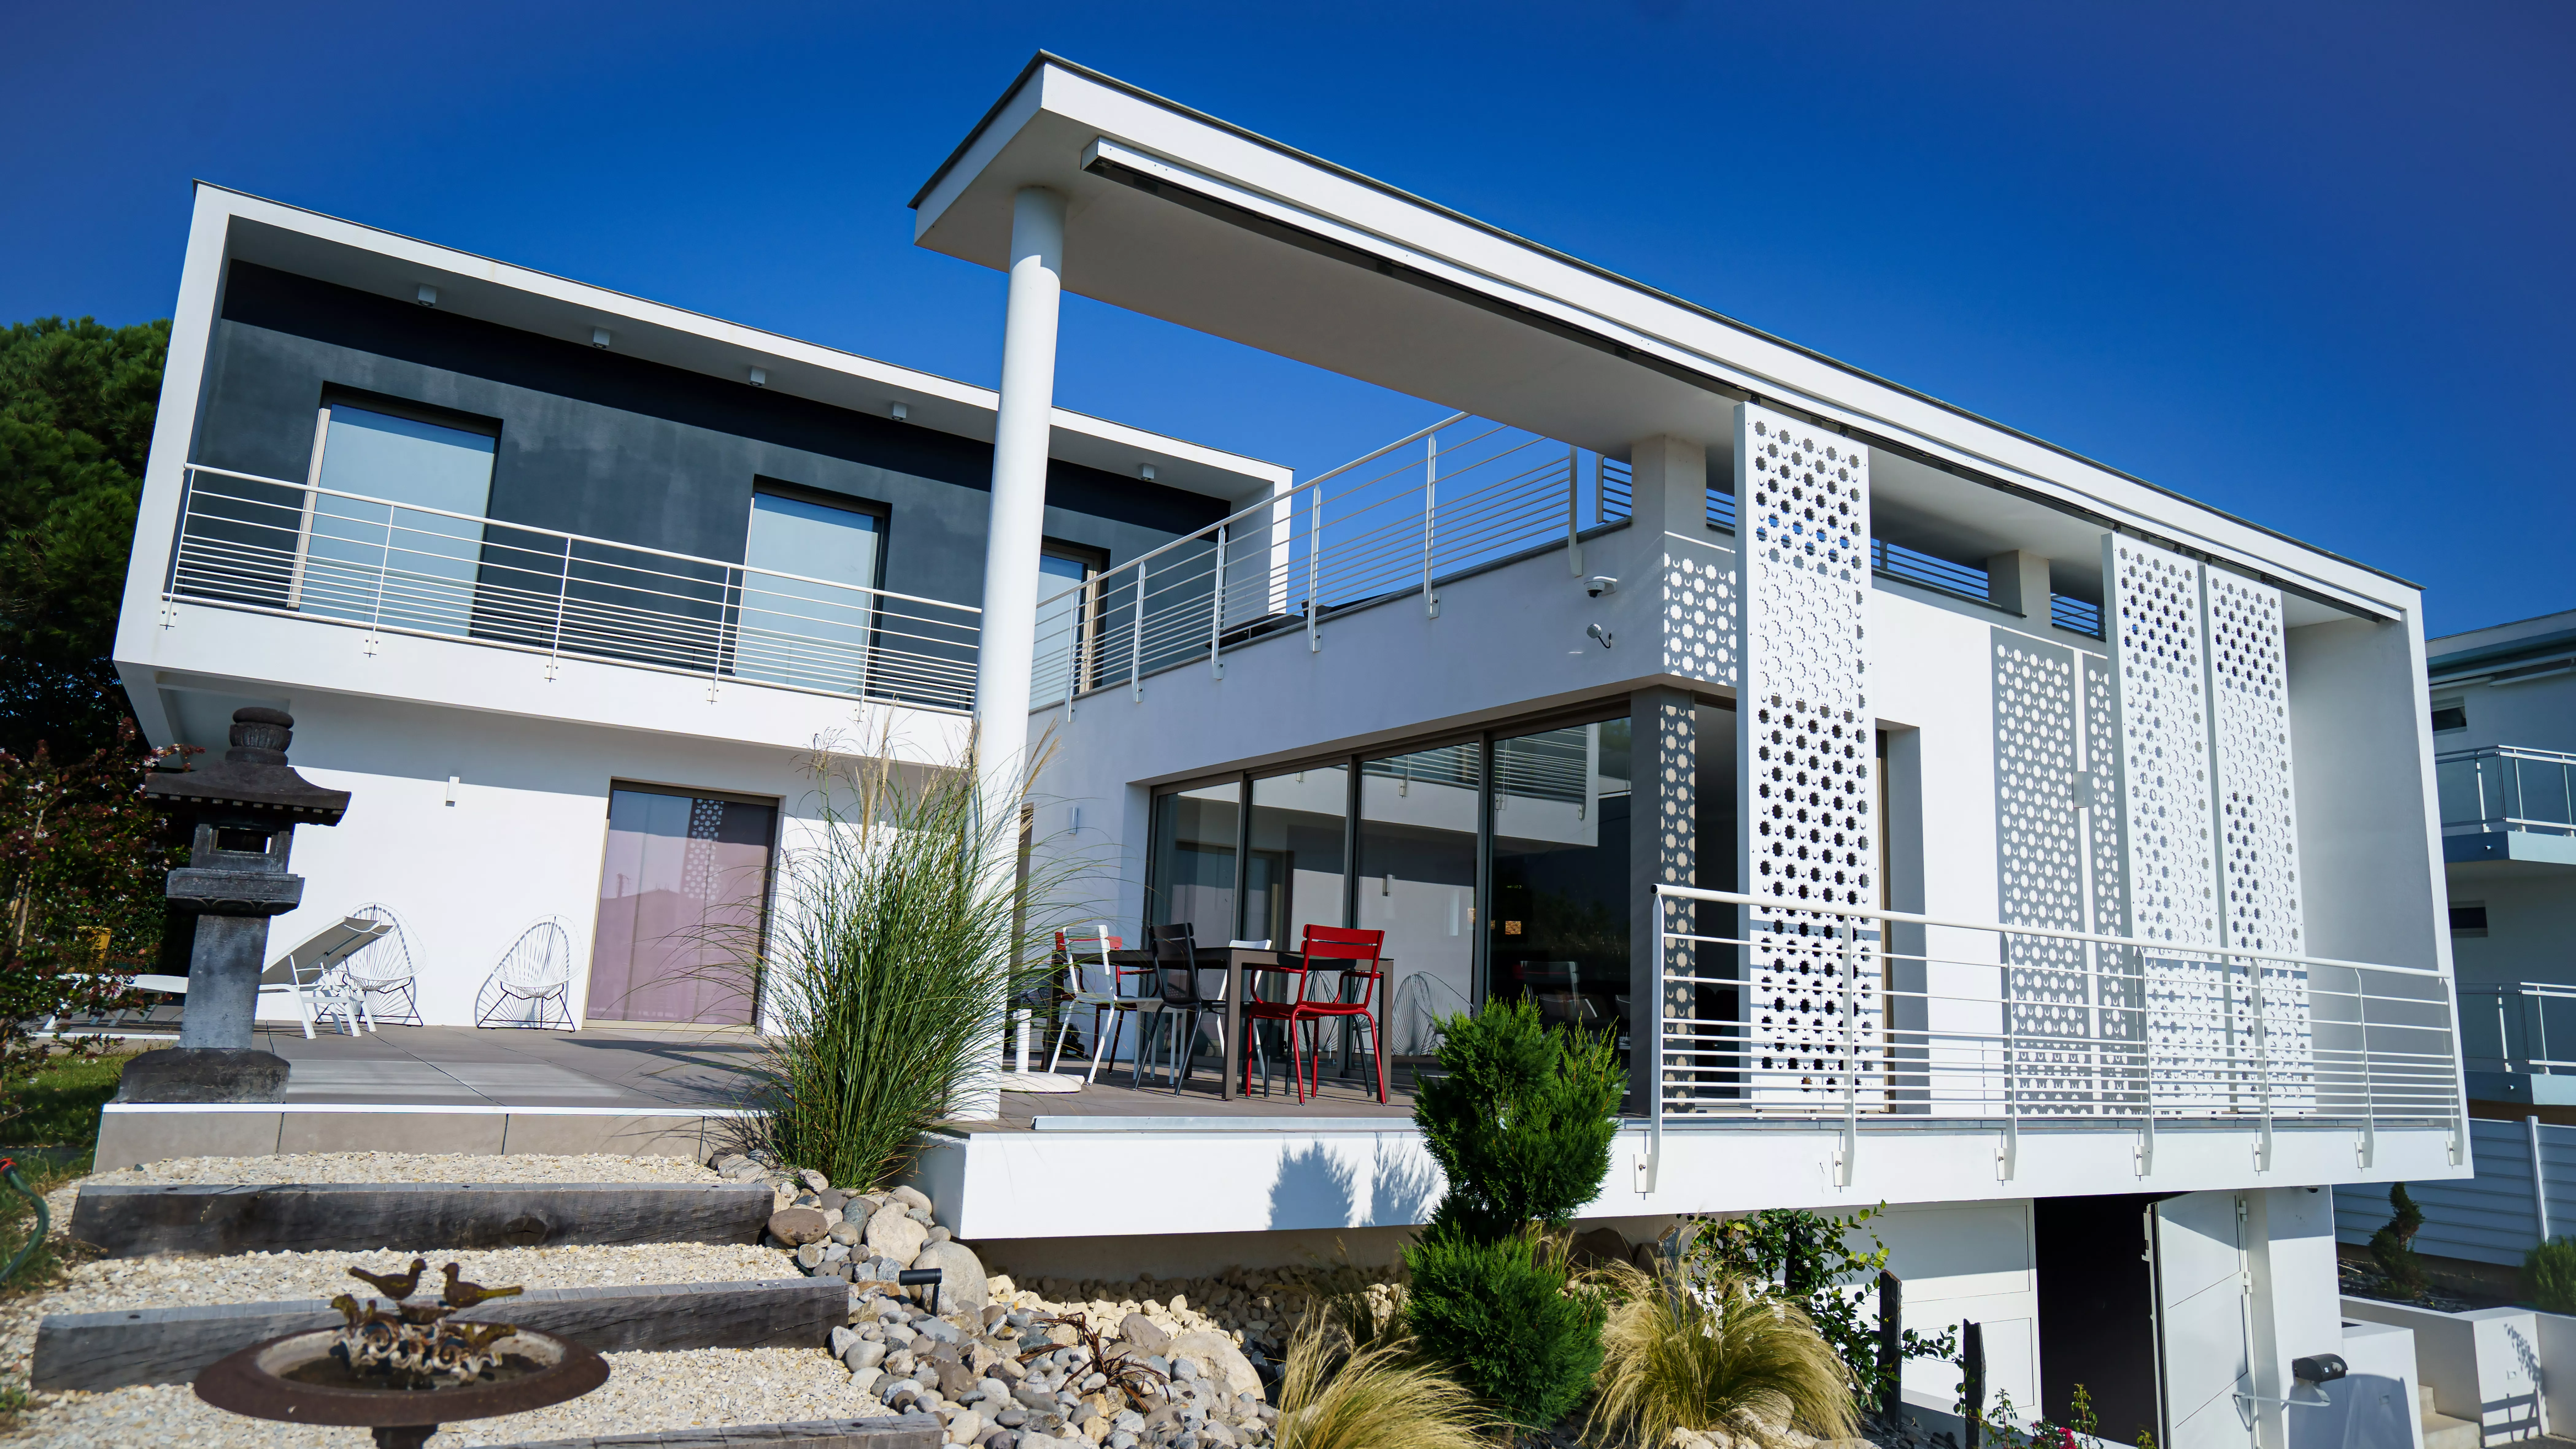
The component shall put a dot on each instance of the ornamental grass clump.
(886, 972)
(1520, 1122)
(1730, 1357)
(1335, 1394)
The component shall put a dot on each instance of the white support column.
(1007, 650)
(1021, 428)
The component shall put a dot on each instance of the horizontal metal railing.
(273, 546)
(2503, 787)
(2507, 1028)
(1394, 522)
(1873, 1017)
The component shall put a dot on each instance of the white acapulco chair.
(382, 970)
(537, 973)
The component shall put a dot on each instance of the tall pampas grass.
(886, 973)
(1730, 1357)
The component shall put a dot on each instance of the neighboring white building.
(2069, 864)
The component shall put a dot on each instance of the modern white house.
(1934, 816)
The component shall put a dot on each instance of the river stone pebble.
(962, 1286)
(797, 1226)
(814, 1181)
(894, 1236)
(1224, 1362)
(848, 1233)
(911, 1197)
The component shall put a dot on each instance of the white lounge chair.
(536, 970)
(312, 975)
(383, 971)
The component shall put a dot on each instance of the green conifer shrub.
(1521, 1125)
(2393, 1246)
(2549, 1276)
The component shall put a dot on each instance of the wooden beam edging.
(110, 1350)
(224, 1219)
(911, 1431)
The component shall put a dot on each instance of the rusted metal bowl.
(295, 1379)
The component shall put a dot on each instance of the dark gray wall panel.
(599, 443)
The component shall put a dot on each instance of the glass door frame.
(777, 806)
(1351, 763)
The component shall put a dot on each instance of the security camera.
(1600, 584)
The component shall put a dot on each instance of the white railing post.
(2539, 1177)
(1573, 511)
(1216, 611)
(1655, 1058)
(1430, 491)
(563, 595)
(2262, 1063)
(2369, 1104)
(1851, 1063)
(1314, 571)
(730, 590)
(1136, 640)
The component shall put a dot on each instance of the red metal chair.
(1324, 943)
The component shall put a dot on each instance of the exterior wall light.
(428, 295)
(760, 377)
(599, 337)
(1146, 472)
(902, 412)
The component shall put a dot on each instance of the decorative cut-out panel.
(1700, 623)
(2197, 1050)
(1807, 761)
(2258, 837)
(2119, 1019)
(2039, 867)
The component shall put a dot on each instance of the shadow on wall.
(1317, 1188)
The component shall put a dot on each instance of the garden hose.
(44, 1219)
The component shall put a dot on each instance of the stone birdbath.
(404, 1372)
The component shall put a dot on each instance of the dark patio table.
(1233, 961)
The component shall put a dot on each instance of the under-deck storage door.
(2200, 1320)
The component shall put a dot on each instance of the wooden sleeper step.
(226, 1219)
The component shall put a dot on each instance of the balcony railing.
(2504, 788)
(1399, 521)
(1867, 1016)
(271, 546)
(2519, 1028)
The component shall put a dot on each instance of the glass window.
(394, 561)
(1063, 623)
(1559, 928)
(2449, 715)
(1417, 882)
(1193, 868)
(810, 629)
(1294, 876)
(681, 895)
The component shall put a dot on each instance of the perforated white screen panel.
(2039, 871)
(1807, 759)
(2258, 835)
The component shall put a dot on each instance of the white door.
(2201, 1285)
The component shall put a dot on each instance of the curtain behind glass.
(397, 565)
(796, 632)
(682, 886)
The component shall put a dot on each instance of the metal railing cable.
(1872, 1018)
(267, 545)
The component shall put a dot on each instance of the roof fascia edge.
(321, 225)
(1630, 343)
(1045, 58)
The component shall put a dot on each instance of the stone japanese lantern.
(241, 812)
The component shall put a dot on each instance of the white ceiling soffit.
(1180, 216)
(368, 260)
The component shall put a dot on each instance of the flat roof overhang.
(368, 259)
(1178, 215)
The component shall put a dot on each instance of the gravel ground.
(110, 1284)
(269, 1277)
(645, 1391)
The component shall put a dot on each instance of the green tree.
(76, 408)
(1520, 1122)
(2393, 1246)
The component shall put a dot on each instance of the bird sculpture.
(461, 1294)
(480, 1336)
(349, 1309)
(396, 1286)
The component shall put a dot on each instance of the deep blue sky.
(2310, 263)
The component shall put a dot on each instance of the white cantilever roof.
(1182, 216)
(389, 264)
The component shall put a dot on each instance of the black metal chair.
(1176, 971)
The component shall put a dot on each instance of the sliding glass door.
(1193, 866)
(1558, 932)
(1417, 881)
(682, 892)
